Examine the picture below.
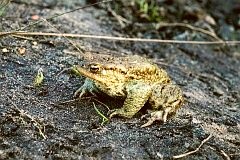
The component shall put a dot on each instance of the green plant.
(104, 118)
(3, 4)
(149, 10)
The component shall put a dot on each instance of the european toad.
(135, 79)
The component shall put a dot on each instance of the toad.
(137, 80)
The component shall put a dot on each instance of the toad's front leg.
(138, 94)
(87, 87)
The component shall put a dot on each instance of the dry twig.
(116, 38)
(212, 34)
(102, 103)
(194, 151)
(23, 115)
(79, 50)
(119, 18)
(74, 100)
(58, 15)
(225, 155)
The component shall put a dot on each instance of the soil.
(45, 122)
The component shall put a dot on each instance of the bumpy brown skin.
(137, 80)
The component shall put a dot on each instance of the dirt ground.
(47, 123)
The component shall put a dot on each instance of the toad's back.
(140, 68)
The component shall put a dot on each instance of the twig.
(74, 100)
(82, 98)
(102, 104)
(194, 151)
(225, 155)
(117, 38)
(80, 51)
(119, 18)
(234, 154)
(58, 15)
(167, 64)
(67, 102)
(64, 70)
(31, 118)
(22, 37)
(159, 25)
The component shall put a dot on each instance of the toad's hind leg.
(137, 95)
(157, 116)
(165, 101)
(162, 115)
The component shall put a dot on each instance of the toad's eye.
(94, 68)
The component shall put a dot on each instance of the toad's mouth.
(88, 74)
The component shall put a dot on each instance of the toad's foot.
(157, 116)
(87, 87)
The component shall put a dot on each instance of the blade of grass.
(104, 118)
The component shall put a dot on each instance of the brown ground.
(43, 122)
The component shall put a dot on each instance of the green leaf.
(39, 78)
